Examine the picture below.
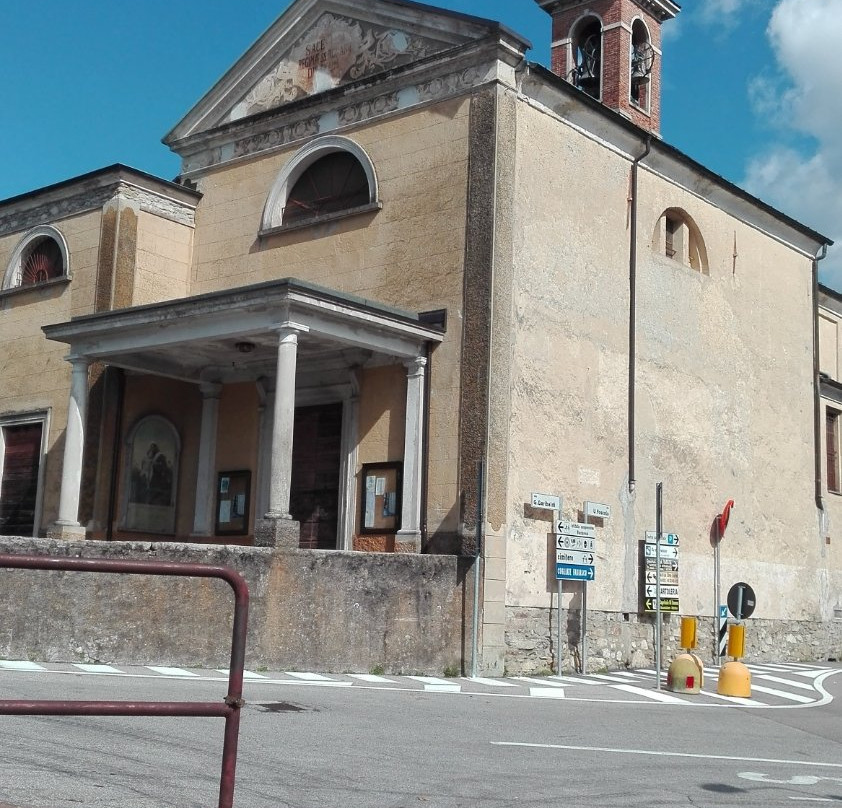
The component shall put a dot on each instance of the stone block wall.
(309, 609)
(617, 640)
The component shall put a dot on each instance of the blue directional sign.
(574, 572)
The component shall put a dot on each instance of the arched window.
(328, 178)
(41, 256)
(641, 61)
(678, 237)
(586, 50)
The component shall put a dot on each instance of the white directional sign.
(564, 528)
(666, 563)
(546, 501)
(666, 591)
(597, 509)
(667, 551)
(668, 577)
(580, 557)
(575, 543)
(666, 538)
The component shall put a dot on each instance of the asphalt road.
(304, 745)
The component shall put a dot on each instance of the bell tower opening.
(611, 50)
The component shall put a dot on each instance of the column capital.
(210, 389)
(416, 365)
(79, 361)
(288, 329)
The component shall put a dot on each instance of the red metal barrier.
(233, 702)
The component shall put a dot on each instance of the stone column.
(67, 525)
(203, 522)
(278, 527)
(266, 410)
(410, 532)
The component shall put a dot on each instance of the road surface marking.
(654, 753)
(490, 682)
(781, 680)
(429, 680)
(609, 677)
(246, 674)
(575, 680)
(544, 682)
(370, 677)
(782, 694)
(655, 695)
(546, 692)
(734, 699)
(171, 671)
(309, 677)
(444, 687)
(96, 668)
(20, 665)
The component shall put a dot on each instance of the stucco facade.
(525, 291)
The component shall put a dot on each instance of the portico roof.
(231, 334)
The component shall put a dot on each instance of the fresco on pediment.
(335, 51)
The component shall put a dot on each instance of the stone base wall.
(627, 640)
(309, 609)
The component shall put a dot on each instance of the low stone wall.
(309, 609)
(627, 640)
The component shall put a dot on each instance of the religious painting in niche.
(232, 503)
(336, 50)
(152, 456)
(381, 497)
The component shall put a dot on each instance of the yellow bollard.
(734, 677)
(684, 675)
(688, 632)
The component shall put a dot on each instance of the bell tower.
(611, 49)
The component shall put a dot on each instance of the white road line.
(782, 681)
(734, 699)
(96, 668)
(576, 680)
(429, 680)
(246, 674)
(810, 674)
(655, 695)
(544, 682)
(444, 687)
(489, 682)
(373, 678)
(546, 692)
(606, 677)
(655, 753)
(782, 694)
(164, 671)
(813, 799)
(309, 677)
(20, 665)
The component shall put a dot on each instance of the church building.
(405, 281)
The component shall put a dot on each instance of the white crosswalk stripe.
(479, 680)
(164, 671)
(781, 681)
(781, 694)
(655, 695)
(535, 681)
(309, 677)
(372, 678)
(246, 674)
(96, 668)
(20, 665)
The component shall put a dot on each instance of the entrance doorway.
(316, 461)
(21, 462)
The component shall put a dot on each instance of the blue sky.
(752, 88)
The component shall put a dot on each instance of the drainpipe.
(633, 305)
(817, 415)
(425, 445)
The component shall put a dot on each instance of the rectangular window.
(19, 475)
(832, 435)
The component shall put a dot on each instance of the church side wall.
(724, 402)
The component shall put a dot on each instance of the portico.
(297, 344)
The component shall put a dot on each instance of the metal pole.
(658, 526)
(477, 563)
(716, 595)
(585, 615)
(558, 642)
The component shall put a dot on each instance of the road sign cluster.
(574, 556)
(667, 551)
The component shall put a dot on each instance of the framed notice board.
(233, 489)
(380, 503)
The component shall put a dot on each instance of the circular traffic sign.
(741, 599)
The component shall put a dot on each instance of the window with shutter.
(832, 434)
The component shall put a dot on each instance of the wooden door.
(19, 486)
(316, 461)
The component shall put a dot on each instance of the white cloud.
(722, 12)
(805, 36)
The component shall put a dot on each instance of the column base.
(284, 533)
(408, 541)
(66, 532)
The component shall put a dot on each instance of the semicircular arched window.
(40, 257)
(586, 52)
(678, 237)
(329, 178)
(641, 62)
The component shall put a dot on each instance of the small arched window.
(586, 50)
(678, 237)
(641, 61)
(41, 256)
(328, 178)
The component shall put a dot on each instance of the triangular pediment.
(318, 45)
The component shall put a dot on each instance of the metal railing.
(229, 709)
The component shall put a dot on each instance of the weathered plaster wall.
(410, 254)
(309, 609)
(34, 373)
(724, 389)
(164, 253)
